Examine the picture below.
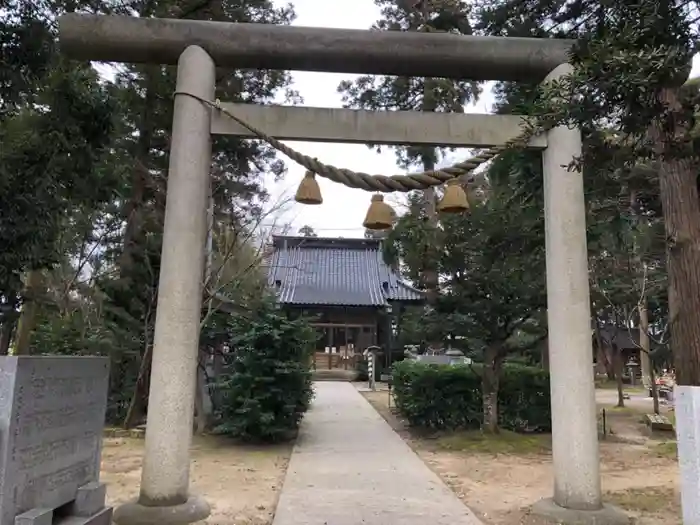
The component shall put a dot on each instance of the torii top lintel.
(266, 46)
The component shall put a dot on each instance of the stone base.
(98, 516)
(608, 515)
(193, 510)
(102, 517)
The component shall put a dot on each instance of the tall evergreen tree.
(237, 165)
(55, 124)
(633, 58)
(417, 94)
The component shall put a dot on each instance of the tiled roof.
(332, 271)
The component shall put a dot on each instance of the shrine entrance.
(198, 48)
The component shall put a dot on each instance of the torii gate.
(197, 47)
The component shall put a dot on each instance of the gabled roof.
(334, 271)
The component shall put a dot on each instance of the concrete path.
(636, 400)
(350, 468)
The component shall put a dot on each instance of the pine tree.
(417, 94)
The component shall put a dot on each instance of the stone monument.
(52, 412)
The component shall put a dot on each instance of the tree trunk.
(602, 365)
(681, 207)
(6, 335)
(601, 358)
(602, 353)
(201, 419)
(27, 317)
(617, 359)
(654, 390)
(610, 362)
(640, 269)
(134, 206)
(218, 369)
(545, 355)
(137, 406)
(430, 273)
(644, 343)
(201, 414)
(489, 390)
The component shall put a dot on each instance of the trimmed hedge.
(449, 397)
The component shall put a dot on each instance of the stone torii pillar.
(577, 491)
(164, 496)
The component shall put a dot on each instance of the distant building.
(345, 285)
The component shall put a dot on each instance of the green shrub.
(266, 387)
(449, 397)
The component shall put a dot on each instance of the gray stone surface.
(350, 468)
(35, 517)
(89, 500)
(608, 515)
(52, 412)
(103, 517)
(355, 126)
(688, 432)
(193, 510)
(268, 46)
(575, 455)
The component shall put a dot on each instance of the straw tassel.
(380, 216)
(455, 199)
(308, 191)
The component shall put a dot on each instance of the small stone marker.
(52, 412)
(658, 422)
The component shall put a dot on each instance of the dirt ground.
(241, 483)
(500, 478)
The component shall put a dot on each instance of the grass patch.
(624, 411)
(667, 449)
(606, 384)
(504, 442)
(671, 417)
(647, 499)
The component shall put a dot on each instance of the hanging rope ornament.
(308, 191)
(455, 199)
(380, 216)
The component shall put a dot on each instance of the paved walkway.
(350, 468)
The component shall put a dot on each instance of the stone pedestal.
(605, 515)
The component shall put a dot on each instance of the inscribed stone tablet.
(52, 412)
